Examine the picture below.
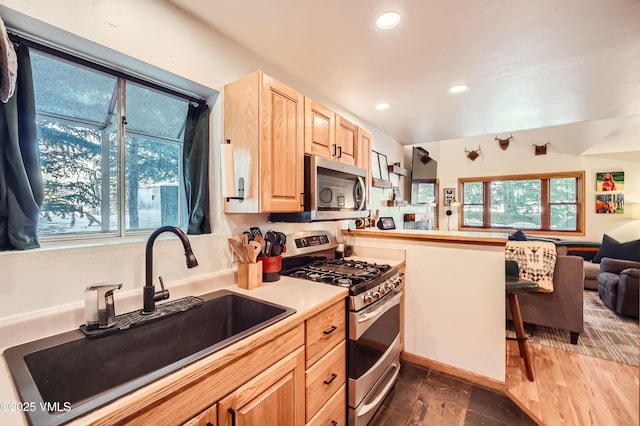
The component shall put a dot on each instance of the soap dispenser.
(99, 305)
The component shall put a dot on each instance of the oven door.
(374, 346)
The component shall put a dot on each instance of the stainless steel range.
(373, 351)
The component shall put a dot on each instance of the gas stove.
(367, 282)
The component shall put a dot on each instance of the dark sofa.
(618, 284)
(562, 308)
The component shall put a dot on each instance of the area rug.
(606, 335)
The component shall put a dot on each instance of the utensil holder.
(271, 267)
(249, 275)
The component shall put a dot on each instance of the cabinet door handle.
(233, 416)
(335, 149)
(209, 424)
(331, 330)
(340, 155)
(334, 423)
(333, 377)
(302, 197)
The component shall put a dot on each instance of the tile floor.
(423, 397)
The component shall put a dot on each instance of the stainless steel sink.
(68, 374)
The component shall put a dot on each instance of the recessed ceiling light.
(388, 20)
(459, 88)
(382, 106)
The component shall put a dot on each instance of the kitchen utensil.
(255, 231)
(253, 250)
(260, 240)
(238, 249)
(270, 240)
(278, 246)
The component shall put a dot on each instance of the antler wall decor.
(541, 149)
(473, 154)
(504, 143)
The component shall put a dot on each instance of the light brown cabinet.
(319, 129)
(326, 374)
(264, 122)
(272, 398)
(363, 156)
(330, 135)
(208, 417)
(346, 134)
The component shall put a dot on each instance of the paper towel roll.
(228, 172)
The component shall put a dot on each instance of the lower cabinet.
(326, 374)
(208, 417)
(275, 397)
(304, 382)
(333, 413)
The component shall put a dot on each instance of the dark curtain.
(21, 188)
(196, 169)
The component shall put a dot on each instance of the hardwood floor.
(573, 389)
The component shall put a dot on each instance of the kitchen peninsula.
(455, 304)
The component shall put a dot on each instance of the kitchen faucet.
(149, 291)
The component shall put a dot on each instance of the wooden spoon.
(260, 240)
(253, 250)
(237, 248)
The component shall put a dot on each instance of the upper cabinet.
(319, 129)
(363, 155)
(329, 135)
(346, 133)
(264, 122)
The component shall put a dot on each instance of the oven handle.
(366, 316)
(393, 369)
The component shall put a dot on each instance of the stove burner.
(357, 276)
(314, 276)
(342, 282)
(329, 279)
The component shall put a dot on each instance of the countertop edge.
(453, 237)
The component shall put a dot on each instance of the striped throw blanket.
(536, 260)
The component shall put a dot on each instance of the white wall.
(519, 158)
(156, 40)
(454, 303)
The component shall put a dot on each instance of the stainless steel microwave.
(332, 191)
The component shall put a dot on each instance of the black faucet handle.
(162, 294)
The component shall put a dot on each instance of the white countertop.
(302, 295)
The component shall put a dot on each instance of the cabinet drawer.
(324, 378)
(334, 413)
(208, 417)
(325, 330)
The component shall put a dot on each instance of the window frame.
(545, 202)
(120, 129)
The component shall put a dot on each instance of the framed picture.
(610, 203)
(375, 165)
(449, 195)
(384, 167)
(609, 181)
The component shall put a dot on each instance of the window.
(546, 203)
(110, 150)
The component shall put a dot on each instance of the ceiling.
(529, 64)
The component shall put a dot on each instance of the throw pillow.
(518, 236)
(610, 247)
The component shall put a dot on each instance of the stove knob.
(376, 295)
(367, 298)
(391, 286)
